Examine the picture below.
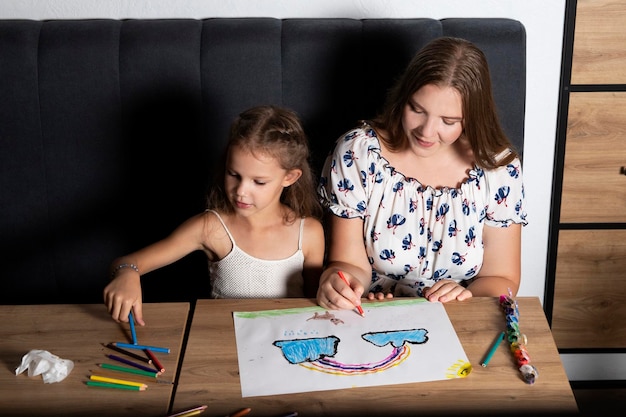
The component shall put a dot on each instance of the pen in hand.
(343, 277)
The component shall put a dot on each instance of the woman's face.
(433, 119)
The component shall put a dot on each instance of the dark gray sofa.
(109, 129)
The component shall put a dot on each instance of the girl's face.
(433, 119)
(254, 182)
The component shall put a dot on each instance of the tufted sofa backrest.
(109, 129)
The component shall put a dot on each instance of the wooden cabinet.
(590, 289)
(594, 185)
(599, 54)
(587, 256)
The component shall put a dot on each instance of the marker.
(142, 347)
(342, 276)
(493, 349)
(132, 327)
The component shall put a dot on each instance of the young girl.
(261, 232)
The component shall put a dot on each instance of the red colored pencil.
(155, 361)
(342, 276)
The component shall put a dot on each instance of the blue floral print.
(417, 234)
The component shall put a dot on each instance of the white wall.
(544, 25)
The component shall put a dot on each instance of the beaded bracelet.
(122, 266)
(517, 340)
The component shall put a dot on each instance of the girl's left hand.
(446, 290)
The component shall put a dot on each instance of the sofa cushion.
(110, 129)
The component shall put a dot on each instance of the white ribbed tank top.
(239, 275)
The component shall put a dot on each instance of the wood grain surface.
(589, 308)
(77, 332)
(209, 373)
(599, 39)
(594, 185)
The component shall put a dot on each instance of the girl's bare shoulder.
(313, 230)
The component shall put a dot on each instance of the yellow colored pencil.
(192, 413)
(116, 381)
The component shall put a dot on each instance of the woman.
(427, 199)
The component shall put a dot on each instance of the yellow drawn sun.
(459, 369)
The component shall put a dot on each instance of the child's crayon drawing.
(397, 342)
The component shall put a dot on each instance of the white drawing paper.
(313, 349)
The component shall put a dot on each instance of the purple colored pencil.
(130, 363)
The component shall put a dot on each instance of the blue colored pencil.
(142, 347)
(132, 327)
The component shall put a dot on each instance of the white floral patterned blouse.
(416, 235)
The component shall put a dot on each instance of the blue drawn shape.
(397, 338)
(308, 350)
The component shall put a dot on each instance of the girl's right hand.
(336, 294)
(123, 294)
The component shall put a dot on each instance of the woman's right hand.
(336, 294)
(123, 294)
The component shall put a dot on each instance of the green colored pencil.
(118, 386)
(128, 370)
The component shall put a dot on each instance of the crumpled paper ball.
(51, 367)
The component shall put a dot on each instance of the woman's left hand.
(379, 296)
(446, 290)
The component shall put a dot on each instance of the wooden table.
(209, 374)
(78, 332)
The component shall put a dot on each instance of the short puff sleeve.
(343, 185)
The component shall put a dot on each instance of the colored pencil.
(116, 381)
(151, 374)
(163, 381)
(493, 349)
(191, 411)
(129, 354)
(155, 361)
(142, 347)
(240, 413)
(133, 334)
(359, 308)
(118, 386)
(130, 363)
